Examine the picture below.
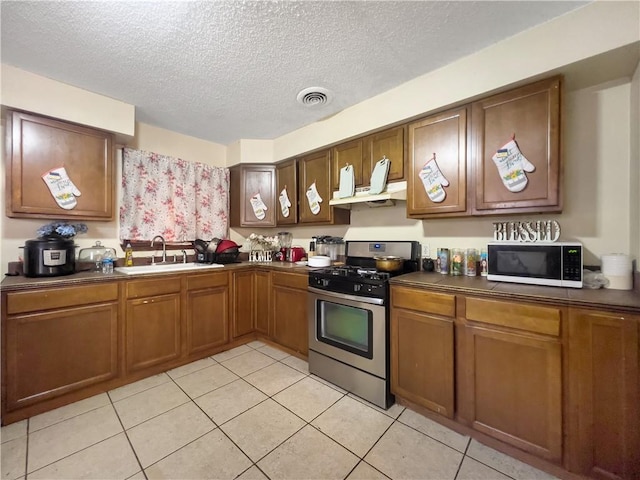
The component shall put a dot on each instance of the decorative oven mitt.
(314, 199)
(512, 166)
(62, 188)
(258, 206)
(433, 181)
(285, 203)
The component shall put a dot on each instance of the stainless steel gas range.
(349, 319)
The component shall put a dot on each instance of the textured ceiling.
(226, 70)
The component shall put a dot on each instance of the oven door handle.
(346, 296)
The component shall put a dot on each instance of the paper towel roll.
(617, 267)
(620, 282)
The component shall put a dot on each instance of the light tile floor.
(253, 412)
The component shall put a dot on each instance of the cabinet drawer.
(146, 288)
(293, 280)
(423, 301)
(207, 281)
(531, 318)
(32, 301)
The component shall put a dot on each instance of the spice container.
(470, 259)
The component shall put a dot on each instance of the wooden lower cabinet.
(422, 349)
(604, 392)
(207, 312)
(58, 341)
(516, 392)
(289, 311)
(262, 301)
(244, 299)
(152, 323)
(514, 374)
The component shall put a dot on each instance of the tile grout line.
(135, 454)
(26, 455)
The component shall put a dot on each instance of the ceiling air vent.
(314, 96)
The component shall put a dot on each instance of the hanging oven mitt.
(259, 208)
(62, 188)
(285, 203)
(433, 181)
(512, 166)
(347, 182)
(314, 199)
(379, 176)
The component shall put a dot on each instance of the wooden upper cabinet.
(247, 181)
(35, 145)
(390, 144)
(444, 135)
(364, 153)
(287, 180)
(316, 168)
(531, 114)
(349, 153)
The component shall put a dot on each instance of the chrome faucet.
(164, 249)
(184, 256)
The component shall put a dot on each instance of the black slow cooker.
(49, 256)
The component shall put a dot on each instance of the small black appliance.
(49, 256)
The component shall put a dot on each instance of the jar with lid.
(335, 250)
(91, 258)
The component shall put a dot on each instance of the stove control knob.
(325, 282)
(357, 287)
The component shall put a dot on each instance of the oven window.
(345, 327)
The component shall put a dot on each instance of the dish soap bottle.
(128, 256)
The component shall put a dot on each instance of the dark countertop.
(20, 282)
(623, 300)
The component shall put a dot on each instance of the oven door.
(349, 329)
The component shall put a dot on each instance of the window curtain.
(167, 196)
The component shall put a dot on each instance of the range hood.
(394, 191)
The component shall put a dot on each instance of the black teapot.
(428, 265)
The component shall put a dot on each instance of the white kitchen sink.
(166, 267)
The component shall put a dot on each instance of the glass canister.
(484, 263)
(470, 259)
(443, 260)
(457, 261)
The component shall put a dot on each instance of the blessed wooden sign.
(538, 231)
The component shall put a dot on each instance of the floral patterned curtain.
(167, 196)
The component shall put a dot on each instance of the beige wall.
(15, 231)
(250, 151)
(597, 188)
(598, 133)
(587, 32)
(634, 170)
(600, 139)
(34, 93)
(166, 142)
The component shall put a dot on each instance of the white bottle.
(107, 262)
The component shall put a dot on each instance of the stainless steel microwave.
(557, 264)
